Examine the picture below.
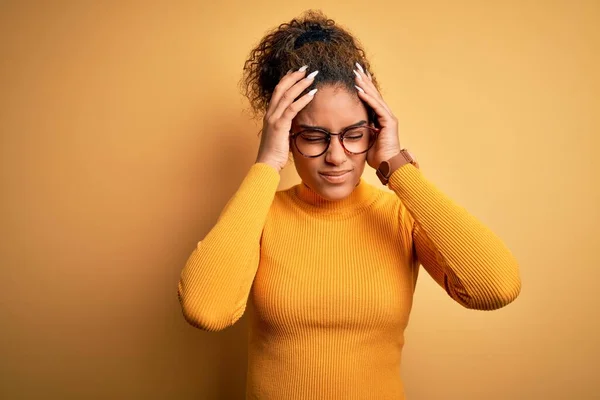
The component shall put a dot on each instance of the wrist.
(389, 156)
(272, 164)
(389, 166)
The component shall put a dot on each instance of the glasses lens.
(359, 140)
(314, 143)
(311, 143)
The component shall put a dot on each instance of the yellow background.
(123, 136)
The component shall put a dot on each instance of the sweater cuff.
(264, 172)
(404, 178)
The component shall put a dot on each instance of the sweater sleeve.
(215, 282)
(460, 253)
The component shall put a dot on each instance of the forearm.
(456, 246)
(216, 278)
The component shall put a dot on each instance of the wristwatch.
(385, 169)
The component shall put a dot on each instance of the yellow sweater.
(329, 285)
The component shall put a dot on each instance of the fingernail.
(312, 92)
(359, 88)
(302, 69)
(312, 75)
(360, 68)
(357, 74)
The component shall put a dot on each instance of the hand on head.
(277, 122)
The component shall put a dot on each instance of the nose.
(335, 154)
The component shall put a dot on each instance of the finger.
(382, 112)
(372, 91)
(363, 71)
(367, 83)
(270, 101)
(292, 93)
(293, 109)
(284, 84)
(360, 68)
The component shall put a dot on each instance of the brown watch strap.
(386, 168)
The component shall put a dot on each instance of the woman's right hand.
(277, 122)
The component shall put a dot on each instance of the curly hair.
(334, 53)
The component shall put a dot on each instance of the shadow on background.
(218, 174)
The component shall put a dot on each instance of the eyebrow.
(325, 129)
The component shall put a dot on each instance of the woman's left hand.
(387, 144)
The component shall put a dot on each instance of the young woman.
(328, 267)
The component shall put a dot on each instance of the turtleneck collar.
(362, 196)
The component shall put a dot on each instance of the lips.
(334, 173)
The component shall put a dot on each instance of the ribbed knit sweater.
(329, 284)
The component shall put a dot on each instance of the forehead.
(333, 107)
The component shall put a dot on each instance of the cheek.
(305, 165)
(359, 158)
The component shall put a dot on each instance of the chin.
(336, 192)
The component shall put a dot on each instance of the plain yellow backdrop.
(123, 135)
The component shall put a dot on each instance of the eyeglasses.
(315, 141)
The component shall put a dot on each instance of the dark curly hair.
(311, 39)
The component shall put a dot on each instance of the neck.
(361, 195)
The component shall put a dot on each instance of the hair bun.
(283, 49)
(316, 33)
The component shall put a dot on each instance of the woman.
(329, 266)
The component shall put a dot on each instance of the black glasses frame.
(374, 131)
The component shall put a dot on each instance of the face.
(334, 109)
